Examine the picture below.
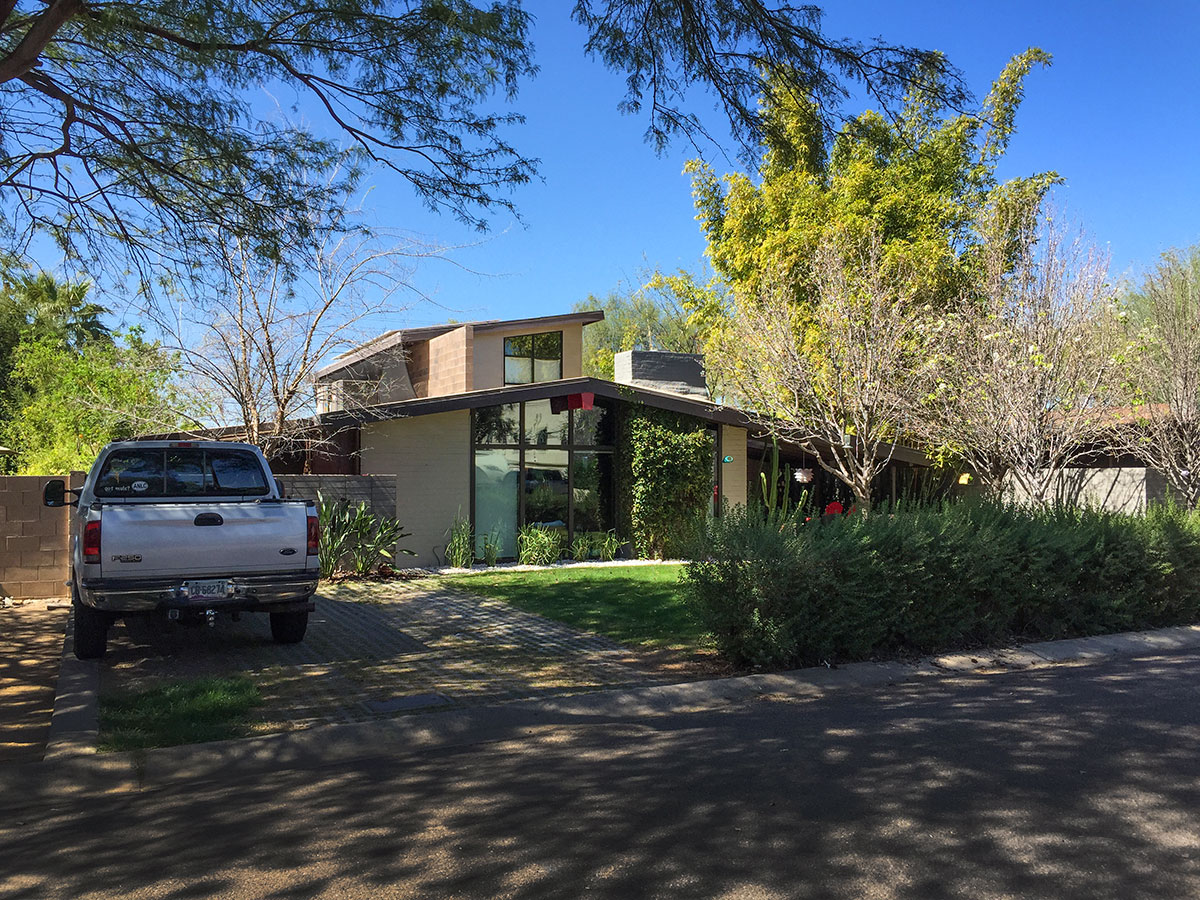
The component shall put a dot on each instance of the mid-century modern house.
(495, 422)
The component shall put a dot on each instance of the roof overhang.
(425, 406)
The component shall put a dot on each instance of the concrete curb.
(75, 722)
(71, 765)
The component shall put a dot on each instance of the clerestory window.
(531, 358)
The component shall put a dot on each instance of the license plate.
(206, 590)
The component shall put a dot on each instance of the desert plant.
(491, 547)
(538, 546)
(607, 544)
(375, 538)
(337, 521)
(460, 544)
(581, 547)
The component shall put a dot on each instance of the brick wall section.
(377, 491)
(451, 362)
(34, 540)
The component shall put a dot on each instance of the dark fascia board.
(390, 339)
(710, 412)
(518, 393)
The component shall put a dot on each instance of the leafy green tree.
(1162, 373)
(654, 317)
(34, 306)
(69, 402)
(917, 182)
(135, 122)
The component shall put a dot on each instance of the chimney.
(660, 370)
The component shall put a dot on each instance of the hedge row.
(936, 578)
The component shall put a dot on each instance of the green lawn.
(637, 605)
(182, 712)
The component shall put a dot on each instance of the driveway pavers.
(380, 649)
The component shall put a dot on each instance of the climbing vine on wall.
(670, 471)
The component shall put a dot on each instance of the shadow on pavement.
(1075, 782)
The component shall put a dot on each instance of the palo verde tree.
(140, 126)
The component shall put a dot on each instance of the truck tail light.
(91, 542)
(314, 536)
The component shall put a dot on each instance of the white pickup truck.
(186, 530)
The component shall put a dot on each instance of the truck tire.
(289, 627)
(91, 632)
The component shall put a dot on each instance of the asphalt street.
(1068, 782)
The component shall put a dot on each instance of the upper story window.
(530, 358)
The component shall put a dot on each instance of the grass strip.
(178, 712)
(640, 606)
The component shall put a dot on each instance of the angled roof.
(516, 393)
(397, 337)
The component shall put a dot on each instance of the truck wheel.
(289, 627)
(91, 632)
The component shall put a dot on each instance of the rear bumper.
(268, 592)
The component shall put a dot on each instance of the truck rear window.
(175, 472)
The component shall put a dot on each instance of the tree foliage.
(844, 381)
(916, 181)
(149, 124)
(1025, 381)
(67, 403)
(654, 317)
(1163, 373)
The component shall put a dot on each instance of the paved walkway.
(375, 650)
(31, 641)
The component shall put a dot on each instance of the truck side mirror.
(55, 493)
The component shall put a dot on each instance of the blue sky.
(1118, 115)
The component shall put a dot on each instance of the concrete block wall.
(734, 473)
(377, 491)
(451, 362)
(34, 539)
(430, 458)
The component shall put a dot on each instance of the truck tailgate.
(156, 539)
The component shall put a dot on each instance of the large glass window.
(534, 466)
(498, 424)
(532, 358)
(592, 491)
(547, 482)
(544, 428)
(497, 480)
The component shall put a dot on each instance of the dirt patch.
(31, 643)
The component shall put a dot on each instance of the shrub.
(375, 538)
(460, 544)
(337, 521)
(353, 532)
(606, 544)
(924, 579)
(538, 546)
